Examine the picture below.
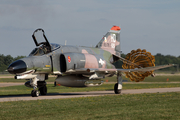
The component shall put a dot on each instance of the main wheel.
(43, 90)
(116, 91)
(34, 93)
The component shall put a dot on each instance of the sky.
(153, 25)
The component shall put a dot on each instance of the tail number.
(112, 45)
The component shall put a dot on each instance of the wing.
(122, 70)
(98, 73)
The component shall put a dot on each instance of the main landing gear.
(118, 85)
(38, 84)
(43, 90)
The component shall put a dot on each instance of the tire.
(34, 93)
(43, 90)
(116, 91)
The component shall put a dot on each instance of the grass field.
(159, 106)
(23, 90)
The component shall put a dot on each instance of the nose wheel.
(43, 91)
(38, 84)
(34, 93)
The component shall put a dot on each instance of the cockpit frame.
(42, 47)
(45, 42)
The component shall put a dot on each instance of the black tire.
(116, 91)
(34, 93)
(43, 90)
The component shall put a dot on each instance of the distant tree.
(8, 59)
(123, 55)
(19, 57)
(5, 61)
(168, 59)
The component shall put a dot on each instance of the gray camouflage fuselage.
(76, 66)
(67, 60)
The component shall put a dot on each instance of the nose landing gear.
(34, 93)
(38, 84)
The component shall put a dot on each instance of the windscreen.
(38, 51)
(43, 49)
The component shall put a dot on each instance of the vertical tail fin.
(111, 41)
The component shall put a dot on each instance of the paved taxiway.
(85, 94)
(10, 84)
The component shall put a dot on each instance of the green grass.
(23, 90)
(157, 106)
(163, 79)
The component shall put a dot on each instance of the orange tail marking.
(116, 28)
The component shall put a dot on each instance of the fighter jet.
(74, 66)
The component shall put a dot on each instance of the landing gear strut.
(36, 83)
(118, 85)
(43, 90)
(34, 92)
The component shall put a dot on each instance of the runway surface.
(10, 84)
(85, 94)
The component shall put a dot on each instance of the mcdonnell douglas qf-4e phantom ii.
(81, 66)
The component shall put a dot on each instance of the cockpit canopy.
(43, 49)
(42, 43)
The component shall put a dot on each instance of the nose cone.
(18, 66)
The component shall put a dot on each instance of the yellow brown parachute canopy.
(138, 59)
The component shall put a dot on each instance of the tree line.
(5, 61)
(167, 59)
(160, 59)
